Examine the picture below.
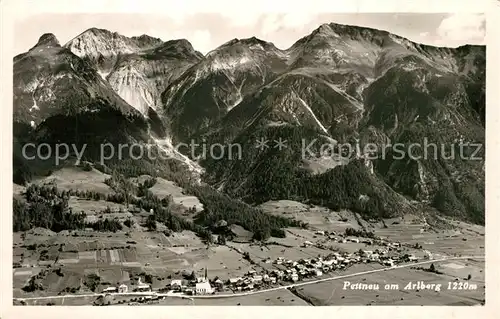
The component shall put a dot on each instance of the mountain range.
(339, 84)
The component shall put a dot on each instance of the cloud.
(463, 27)
(242, 18)
(270, 24)
(297, 19)
(274, 22)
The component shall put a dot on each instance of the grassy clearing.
(69, 178)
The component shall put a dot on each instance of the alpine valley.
(278, 109)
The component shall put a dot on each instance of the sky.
(206, 31)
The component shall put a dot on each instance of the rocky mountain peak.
(248, 42)
(175, 49)
(345, 32)
(146, 40)
(48, 39)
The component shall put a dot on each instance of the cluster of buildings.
(292, 271)
(341, 238)
(196, 286)
(140, 287)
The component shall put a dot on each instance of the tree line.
(48, 208)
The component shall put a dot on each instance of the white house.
(329, 262)
(295, 277)
(144, 287)
(320, 232)
(203, 288)
(176, 284)
(389, 262)
(122, 288)
(374, 256)
(318, 273)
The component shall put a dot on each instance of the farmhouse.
(329, 262)
(412, 258)
(219, 284)
(110, 289)
(176, 284)
(374, 257)
(248, 287)
(389, 262)
(122, 288)
(142, 287)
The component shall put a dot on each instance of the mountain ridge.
(340, 83)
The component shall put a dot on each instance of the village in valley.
(285, 270)
(136, 261)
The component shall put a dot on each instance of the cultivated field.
(333, 293)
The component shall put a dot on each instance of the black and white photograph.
(254, 159)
